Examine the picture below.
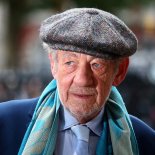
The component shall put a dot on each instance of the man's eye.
(69, 63)
(96, 65)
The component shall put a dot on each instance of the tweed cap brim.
(89, 31)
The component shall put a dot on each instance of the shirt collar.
(96, 124)
(67, 121)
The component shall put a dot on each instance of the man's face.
(84, 82)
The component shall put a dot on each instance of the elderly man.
(80, 112)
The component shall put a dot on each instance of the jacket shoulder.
(15, 116)
(17, 107)
(145, 136)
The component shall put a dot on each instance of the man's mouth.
(82, 96)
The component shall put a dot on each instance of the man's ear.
(52, 63)
(121, 72)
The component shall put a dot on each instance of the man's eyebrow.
(98, 59)
(70, 54)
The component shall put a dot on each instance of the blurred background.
(24, 65)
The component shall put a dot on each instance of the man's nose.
(84, 76)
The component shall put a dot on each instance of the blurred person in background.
(80, 112)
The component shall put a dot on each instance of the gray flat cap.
(90, 31)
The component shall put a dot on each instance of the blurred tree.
(17, 11)
(111, 5)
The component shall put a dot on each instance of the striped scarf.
(117, 138)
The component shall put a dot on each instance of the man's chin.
(84, 115)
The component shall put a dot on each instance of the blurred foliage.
(111, 5)
(30, 5)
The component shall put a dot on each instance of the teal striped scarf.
(117, 138)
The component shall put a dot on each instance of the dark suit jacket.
(16, 115)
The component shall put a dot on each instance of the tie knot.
(81, 132)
